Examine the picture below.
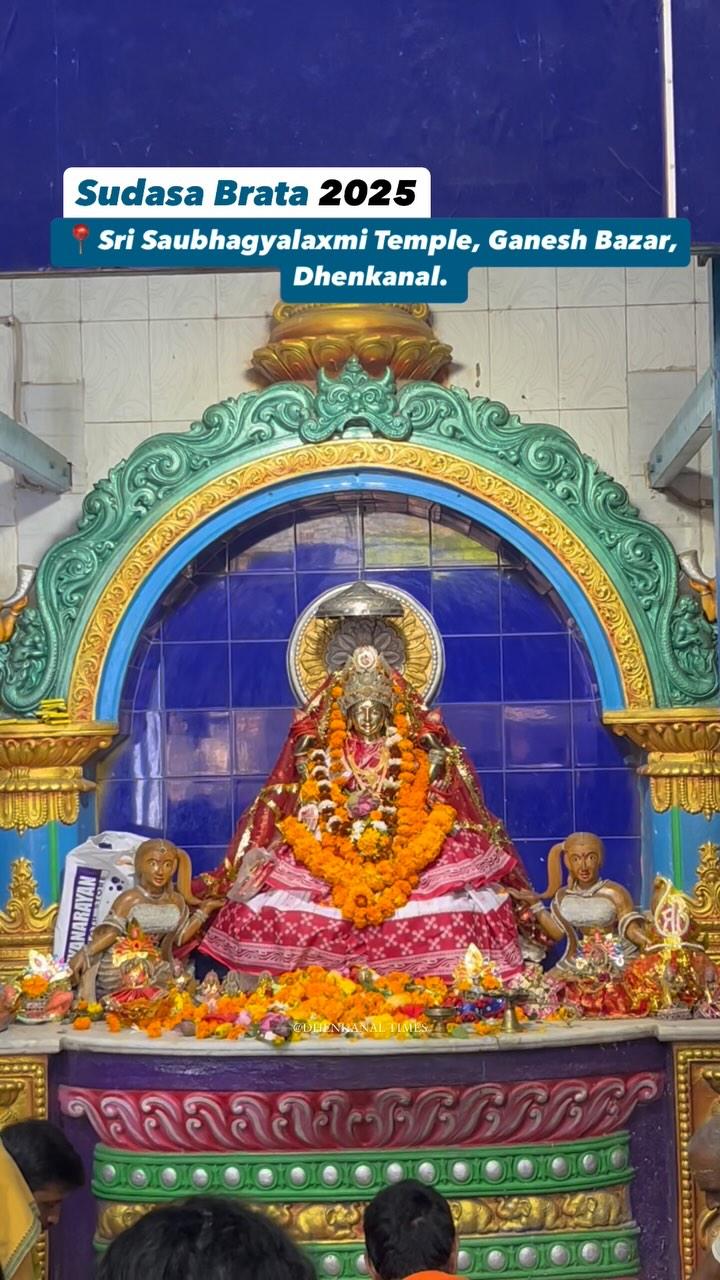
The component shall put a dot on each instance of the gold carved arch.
(409, 459)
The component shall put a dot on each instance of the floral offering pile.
(42, 993)
(670, 977)
(293, 1006)
(315, 1002)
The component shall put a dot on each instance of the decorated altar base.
(554, 1146)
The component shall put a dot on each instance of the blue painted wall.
(206, 702)
(696, 54)
(549, 108)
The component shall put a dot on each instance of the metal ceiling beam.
(31, 458)
(685, 436)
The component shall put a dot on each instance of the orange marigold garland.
(371, 862)
(297, 1004)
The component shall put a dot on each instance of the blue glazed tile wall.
(207, 702)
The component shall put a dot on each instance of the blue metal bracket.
(33, 459)
(685, 436)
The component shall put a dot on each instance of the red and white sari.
(461, 897)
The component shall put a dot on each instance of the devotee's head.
(583, 857)
(704, 1157)
(205, 1239)
(49, 1164)
(409, 1229)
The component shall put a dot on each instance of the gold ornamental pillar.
(46, 809)
(681, 768)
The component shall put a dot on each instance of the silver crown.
(361, 601)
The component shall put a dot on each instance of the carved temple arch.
(128, 599)
(617, 574)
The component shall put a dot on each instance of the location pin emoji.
(81, 232)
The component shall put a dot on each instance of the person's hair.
(205, 1239)
(408, 1228)
(43, 1155)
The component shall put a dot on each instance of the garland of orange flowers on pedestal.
(372, 863)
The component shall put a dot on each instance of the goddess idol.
(370, 846)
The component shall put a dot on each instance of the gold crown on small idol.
(366, 677)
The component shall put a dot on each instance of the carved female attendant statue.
(145, 925)
(587, 904)
(370, 846)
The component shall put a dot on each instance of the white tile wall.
(40, 300)
(680, 523)
(468, 335)
(601, 434)
(649, 285)
(236, 341)
(588, 287)
(247, 293)
(107, 443)
(701, 277)
(654, 398)
(661, 337)
(108, 361)
(7, 497)
(43, 519)
(524, 358)
(183, 367)
(593, 365)
(116, 369)
(706, 542)
(514, 288)
(54, 411)
(114, 298)
(189, 296)
(7, 368)
(173, 426)
(51, 352)
(702, 337)
(9, 559)
(477, 299)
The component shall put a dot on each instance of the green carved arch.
(544, 461)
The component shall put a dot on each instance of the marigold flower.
(34, 986)
(370, 865)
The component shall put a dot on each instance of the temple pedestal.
(545, 1142)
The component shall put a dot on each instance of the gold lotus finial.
(305, 338)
